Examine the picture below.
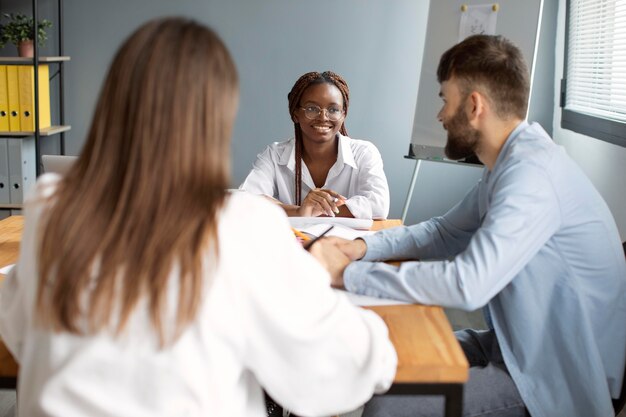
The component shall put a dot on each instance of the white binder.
(4, 173)
(22, 171)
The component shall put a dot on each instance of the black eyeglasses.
(333, 113)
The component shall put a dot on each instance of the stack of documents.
(360, 224)
(314, 226)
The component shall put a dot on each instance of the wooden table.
(10, 236)
(430, 360)
(385, 224)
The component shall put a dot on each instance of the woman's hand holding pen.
(321, 202)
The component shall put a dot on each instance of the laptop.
(59, 164)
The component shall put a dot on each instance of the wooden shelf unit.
(17, 60)
(44, 131)
(30, 150)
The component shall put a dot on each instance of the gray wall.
(376, 45)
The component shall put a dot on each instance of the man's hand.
(331, 258)
(353, 249)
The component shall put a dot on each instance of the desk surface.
(10, 236)
(385, 224)
(422, 336)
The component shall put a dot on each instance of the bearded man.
(533, 244)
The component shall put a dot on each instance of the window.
(593, 89)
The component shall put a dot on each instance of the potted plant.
(20, 31)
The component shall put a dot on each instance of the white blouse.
(269, 318)
(357, 174)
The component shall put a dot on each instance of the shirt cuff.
(375, 246)
(378, 280)
(359, 207)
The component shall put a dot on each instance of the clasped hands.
(320, 202)
(335, 254)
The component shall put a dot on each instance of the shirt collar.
(344, 154)
(507, 144)
(288, 156)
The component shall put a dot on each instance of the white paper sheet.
(337, 230)
(478, 19)
(302, 222)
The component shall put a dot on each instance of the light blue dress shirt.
(536, 244)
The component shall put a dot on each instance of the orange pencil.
(308, 245)
(301, 235)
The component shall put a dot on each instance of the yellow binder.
(27, 97)
(4, 101)
(14, 98)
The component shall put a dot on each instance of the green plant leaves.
(21, 28)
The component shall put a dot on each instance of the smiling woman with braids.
(321, 171)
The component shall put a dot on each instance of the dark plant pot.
(25, 49)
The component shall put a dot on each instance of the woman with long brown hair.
(143, 288)
(321, 171)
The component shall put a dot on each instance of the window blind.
(596, 59)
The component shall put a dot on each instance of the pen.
(337, 200)
(309, 244)
(301, 235)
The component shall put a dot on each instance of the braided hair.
(294, 96)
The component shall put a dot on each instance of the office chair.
(59, 164)
(618, 404)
